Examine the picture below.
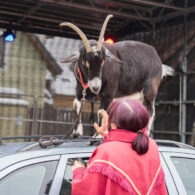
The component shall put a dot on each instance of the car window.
(67, 180)
(30, 180)
(186, 170)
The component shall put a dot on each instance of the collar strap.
(85, 86)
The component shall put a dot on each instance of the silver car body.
(15, 156)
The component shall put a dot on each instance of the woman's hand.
(76, 165)
(103, 129)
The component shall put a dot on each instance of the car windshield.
(186, 170)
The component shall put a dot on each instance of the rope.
(46, 141)
(85, 86)
(80, 79)
(75, 73)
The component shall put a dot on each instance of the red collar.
(121, 135)
(84, 85)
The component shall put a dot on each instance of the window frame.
(171, 188)
(173, 171)
(29, 163)
(61, 168)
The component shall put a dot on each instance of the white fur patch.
(79, 129)
(76, 105)
(167, 71)
(99, 115)
(138, 96)
(151, 119)
(95, 83)
(94, 49)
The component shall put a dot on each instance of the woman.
(128, 160)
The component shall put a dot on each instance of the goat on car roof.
(126, 68)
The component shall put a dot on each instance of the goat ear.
(111, 57)
(73, 58)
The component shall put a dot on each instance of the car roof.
(16, 152)
(65, 144)
(33, 150)
(174, 147)
(75, 144)
(66, 147)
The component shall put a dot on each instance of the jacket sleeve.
(86, 183)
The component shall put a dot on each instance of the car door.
(29, 177)
(63, 177)
(181, 167)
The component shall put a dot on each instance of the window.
(67, 180)
(30, 180)
(186, 170)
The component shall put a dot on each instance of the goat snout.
(95, 85)
(96, 89)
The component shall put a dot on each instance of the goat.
(126, 68)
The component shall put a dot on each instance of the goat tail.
(167, 71)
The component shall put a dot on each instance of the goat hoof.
(78, 136)
(75, 136)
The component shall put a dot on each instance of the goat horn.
(101, 37)
(80, 33)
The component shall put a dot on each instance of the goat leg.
(76, 107)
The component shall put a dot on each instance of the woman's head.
(130, 115)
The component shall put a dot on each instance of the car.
(33, 168)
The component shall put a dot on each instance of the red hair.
(132, 116)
